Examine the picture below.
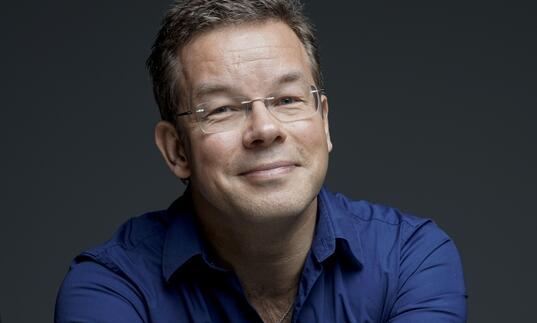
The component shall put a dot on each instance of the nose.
(261, 128)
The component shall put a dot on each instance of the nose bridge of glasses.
(265, 100)
(262, 114)
(248, 104)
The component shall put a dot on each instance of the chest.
(332, 293)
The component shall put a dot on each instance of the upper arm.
(431, 280)
(94, 293)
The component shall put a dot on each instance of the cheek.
(311, 135)
(215, 152)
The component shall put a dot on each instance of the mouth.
(269, 170)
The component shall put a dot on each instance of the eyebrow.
(209, 88)
(290, 77)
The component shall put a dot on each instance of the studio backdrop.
(432, 110)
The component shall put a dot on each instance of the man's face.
(266, 168)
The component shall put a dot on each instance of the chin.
(275, 204)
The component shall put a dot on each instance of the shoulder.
(141, 236)
(377, 219)
(419, 256)
(112, 275)
(386, 232)
(134, 250)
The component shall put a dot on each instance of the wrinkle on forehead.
(249, 54)
(259, 54)
(253, 54)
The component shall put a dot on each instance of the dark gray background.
(432, 110)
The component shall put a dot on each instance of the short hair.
(189, 18)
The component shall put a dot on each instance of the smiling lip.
(270, 169)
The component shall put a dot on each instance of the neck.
(267, 256)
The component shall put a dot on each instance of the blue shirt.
(367, 263)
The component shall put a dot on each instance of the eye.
(288, 100)
(222, 109)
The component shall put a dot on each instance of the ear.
(324, 105)
(173, 149)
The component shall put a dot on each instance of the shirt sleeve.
(431, 287)
(93, 293)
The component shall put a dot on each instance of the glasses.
(224, 113)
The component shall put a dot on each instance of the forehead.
(246, 56)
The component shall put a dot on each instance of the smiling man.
(255, 237)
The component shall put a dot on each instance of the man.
(255, 237)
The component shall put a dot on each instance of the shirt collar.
(335, 233)
(183, 240)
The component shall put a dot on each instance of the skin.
(254, 188)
